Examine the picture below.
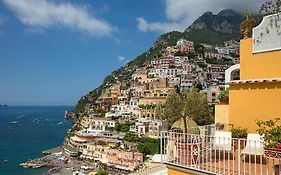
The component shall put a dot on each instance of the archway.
(230, 73)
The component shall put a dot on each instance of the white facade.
(267, 35)
(99, 124)
(182, 42)
(168, 73)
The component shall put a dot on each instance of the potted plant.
(224, 96)
(271, 133)
(247, 25)
(239, 134)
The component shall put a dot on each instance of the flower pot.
(246, 27)
(272, 153)
(224, 102)
(236, 142)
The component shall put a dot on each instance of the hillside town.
(122, 129)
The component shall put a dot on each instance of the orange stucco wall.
(222, 114)
(260, 65)
(251, 101)
(176, 172)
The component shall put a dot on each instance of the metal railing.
(215, 152)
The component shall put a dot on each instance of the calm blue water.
(25, 132)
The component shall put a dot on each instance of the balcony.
(214, 152)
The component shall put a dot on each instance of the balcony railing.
(209, 152)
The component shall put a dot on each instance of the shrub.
(239, 132)
(224, 95)
(270, 131)
(102, 172)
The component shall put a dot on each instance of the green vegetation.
(165, 40)
(102, 172)
(122, 127)
(181, 54)
(209, 36)
(191, 104)
(239, 132)
(80, 106)
(270, 131)
(146, 145)
(271, 7)
(76, 127)
(224, 96)
(218, 61)
(124, 74)
(101, 112)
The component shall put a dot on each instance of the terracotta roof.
(100, 118)
(265, 80)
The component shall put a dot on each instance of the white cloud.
(46, 14)
(145, 26)
(122, 59)
(181, 13)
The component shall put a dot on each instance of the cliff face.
(227, 21)
(208, 28)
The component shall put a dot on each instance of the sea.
(27, 131)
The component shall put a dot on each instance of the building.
(95, 152)
(140, 127)
(79, 142)
(256, 96)
(164, 72)
(84, 122)
(160, 82)
(170, 50)
(156, 127)
(185, 46)
(212, 94)
(258, 92)
(127, 160)
(99, 124)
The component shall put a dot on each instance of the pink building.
(124, 159)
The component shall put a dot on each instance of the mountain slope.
(227, 21)
(208, 28)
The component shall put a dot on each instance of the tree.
(270, 7)
(122, 127)
(173, 107)
(102, 172)
(191, 104)
(159, 111)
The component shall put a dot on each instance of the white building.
(99, 124)
(167, 73)
(149, 128)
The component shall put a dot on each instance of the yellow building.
(170, 50)
(84, 122)
(257, 95)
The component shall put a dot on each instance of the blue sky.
(54, 51)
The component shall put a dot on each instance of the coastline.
(57, 162)
(31, 129)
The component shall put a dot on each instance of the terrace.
(214, 152)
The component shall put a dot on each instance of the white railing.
(215, 152)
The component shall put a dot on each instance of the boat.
(14, 122)
(25, 165)
(36, 166)
(5, 161)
